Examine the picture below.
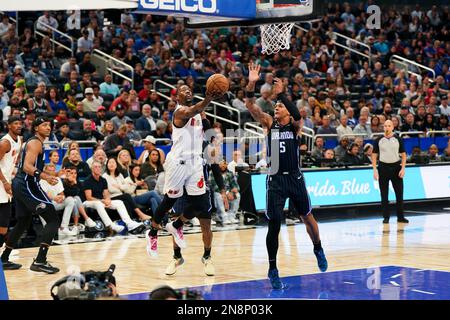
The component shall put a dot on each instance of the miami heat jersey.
(187, 140)
(8, 163)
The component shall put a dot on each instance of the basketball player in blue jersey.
(285, 180)
(29, 198)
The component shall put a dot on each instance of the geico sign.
(197, 6)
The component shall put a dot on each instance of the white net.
(275, 37)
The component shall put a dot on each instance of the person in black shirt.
(390, 168)
(29, 199)
(285, 180)
(351, 157)
(83, 170)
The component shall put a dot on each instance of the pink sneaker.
(152, 244)
(177, 234)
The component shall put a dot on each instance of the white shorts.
(187, 173)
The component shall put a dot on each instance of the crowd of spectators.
(338, 93)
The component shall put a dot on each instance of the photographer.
(89, 285)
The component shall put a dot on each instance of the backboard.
(267, 12)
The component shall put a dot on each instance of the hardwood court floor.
(241, 255)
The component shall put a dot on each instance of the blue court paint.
(378, 283)
(3, 289)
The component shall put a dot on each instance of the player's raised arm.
(185, 113)
(256, 111)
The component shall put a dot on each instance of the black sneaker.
(8, 265)
(402, 220)
(43, 267)
(386, 220)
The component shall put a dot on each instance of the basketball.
(217, 82)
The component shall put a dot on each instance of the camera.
(167, 293)
(88, 285)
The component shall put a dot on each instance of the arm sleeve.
(376, 148)
(217, 176)
(291, 107)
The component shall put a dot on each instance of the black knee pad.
(196, 205)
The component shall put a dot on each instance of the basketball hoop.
(275, 37)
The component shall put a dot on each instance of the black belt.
(294, 172)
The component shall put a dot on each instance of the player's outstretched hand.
(253, 71)
(214, 95)
(278, 86)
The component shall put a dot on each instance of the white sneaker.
(177, 234)
(232, 218)
(80, 228)
(117, 228)
(209, 267)
(152, 244)
(67, 232)
(90, 223)
(173, 265)
(133, 225)
(213, 222)
(195, 222)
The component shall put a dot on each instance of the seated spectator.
(100, 118)
(326, 127)
(318, 148)
(351, 157)
(152, 166)
(117, 189)
(237, 161)
(133, 102)
(149, 144)
(90, 104)
(351, 122)
(433, 153)
(38, 104)
(108, 87)
(71, 100)
(115, 142)
(54, 99)
(73, 190)
(124, 161)
(138, 188)
(146, 121)
(171, 70)
(99, 156)
(265, 102)
(443, 122)
(232, 192)
(344, 128)
(108, 128)
(367, 156)
(121, 100)
(98, 198)
(446, 154)
(53, 158)
(134, 136)
(341, 149)
(120, 118)
(409, 124)
(86, 65)
(328, 159)
(144, 94)
(84, 44)
(56, 194)
(34, 76)
(47, 20)
(88, 133)
(75, 161)
(68, 67)
(161, 133)
(375, 126)
(62, 133)
(363, 128)
(429, 123)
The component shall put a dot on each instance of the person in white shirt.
(47, 19)
(444, 107)
(4, 25)
(343, 128)
(90, 104)
(73, 21)
(267, 86)
(237, 160)
(68, 67)
(56, 194)
(118, 188)
(363, 128)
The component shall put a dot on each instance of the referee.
(390, 168)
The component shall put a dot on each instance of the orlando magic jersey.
(283, 149)
(39, 161)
